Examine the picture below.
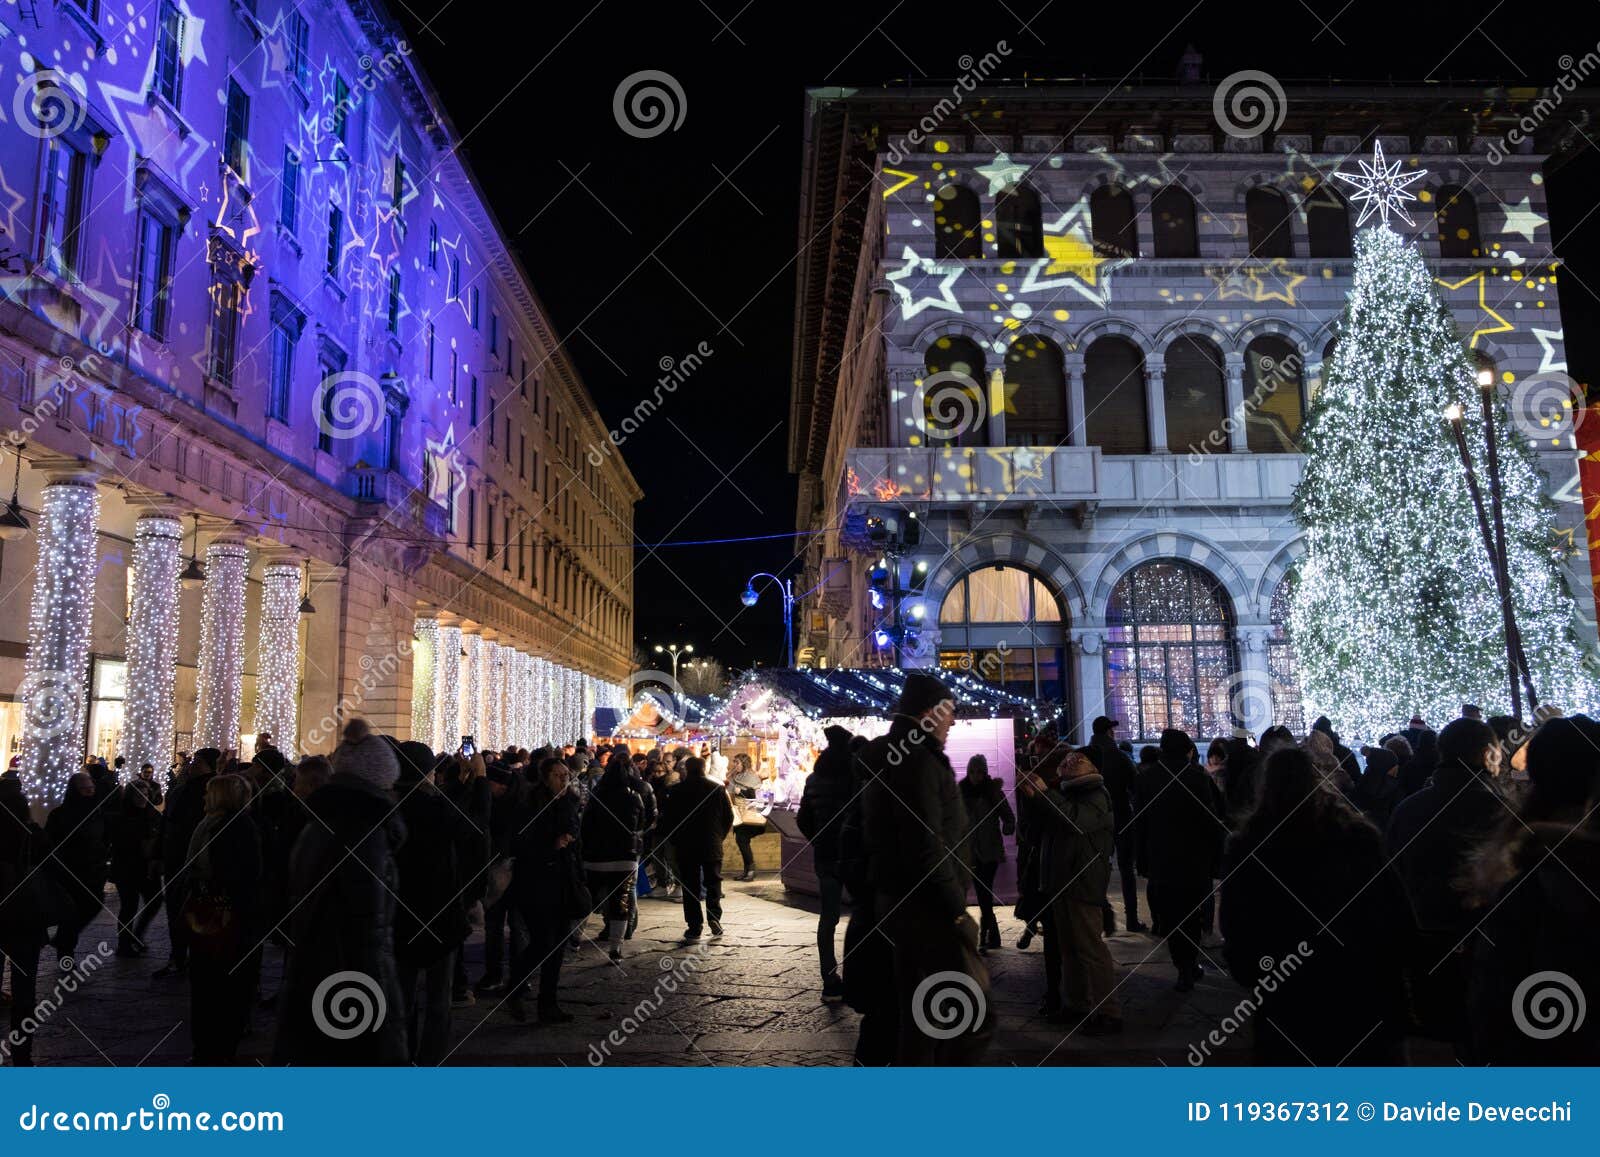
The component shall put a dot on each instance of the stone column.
(449, 689)
(424, 682)
(1087, 649)
(54, 689)
(1155, 400)
(222, 645)
(1237, 414)
(278, 656)
(1252, 693)
(152, 647)
(1077, 408)
(472, 686)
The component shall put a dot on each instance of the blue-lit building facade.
(256, 312)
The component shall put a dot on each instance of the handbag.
(213, 925)
(577, 900)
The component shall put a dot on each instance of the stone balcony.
(1069, 475)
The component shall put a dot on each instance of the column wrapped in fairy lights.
(424, 665)
(519, 700)
(471, 687)
(494, 696)
(449, 689)
(550, 693)
(53, 690)
(152, 646)
(222, 646)
(538, 721)
(278, 656)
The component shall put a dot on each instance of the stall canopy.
(657, 714)
(840, 693)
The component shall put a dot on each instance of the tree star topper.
(1382, 188)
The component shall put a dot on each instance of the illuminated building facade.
(256, 314)
(1054, 349)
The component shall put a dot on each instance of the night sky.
(643, 248)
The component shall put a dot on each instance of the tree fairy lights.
(449, 689)
(53, 690)
(1395, 609)
(152, 647)
(278, 658)
(222, 646)
(424, 665)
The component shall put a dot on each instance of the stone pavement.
(749, 998)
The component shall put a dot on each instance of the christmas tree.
(1395, 608)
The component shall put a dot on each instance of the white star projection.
(1382, 188)
(910, 304)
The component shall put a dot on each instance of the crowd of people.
(1417, 892)
(377, 861)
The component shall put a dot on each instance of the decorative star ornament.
(1382, 187)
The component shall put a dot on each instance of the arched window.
(1115, 416)
(1196, 397)
(1266, 214)
(1116, 230)
(955, 401)
(1327, 222)
(1006, 625)
(957, 223)
(1169, 654)
(1288, 709)
(1036, 393)
(1273, 395)
(1172, 221)
(1457, 216)
(1018, 228)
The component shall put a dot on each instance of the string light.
(495, 698)
(53, 688)
(449, 664)
(221, 676)
(147, 721)
(424, 665)
(472, 686)
(278, 656)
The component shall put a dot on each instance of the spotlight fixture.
(305, 604)
(13, 523)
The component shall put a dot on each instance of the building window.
(1018, 227)
(289, 190)
(957, 223)
(1115, 223)
(152, 284)
(1036, 393)
(522, 381)
(494, 332)
(508, 441)
(455, 365)
(1266, 214)
(1457, 217)
(1172, 222)
(522, 456)
(428, 344)
(300, 41)
(472, 305)
(491, 417)
(1169, 653)
(472, 519)
(488, 534)
(229, 276)
(1196, 397)
(455, 278)
(168, 78)
(1283, 669)
(505, 537)
(1115, 411)
(472, 400)
(1327, 223)
(393, 427)
(433, 245)
(1005, 625)
(955, 400)
(62, 188)
(397, 183)
(341, 108)
(330, 263)
(328, 420)
(394, 300)
(236, 131)
(1274, 404)
(281, 372)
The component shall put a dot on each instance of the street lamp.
(675, 649)
(751, 596)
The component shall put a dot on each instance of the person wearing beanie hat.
(1181, 832)
(343, 879)
(920, 694)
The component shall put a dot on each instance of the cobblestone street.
(749, 998)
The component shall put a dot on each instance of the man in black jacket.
(186, 807)
(1182, 833)
(1117, 771)
(830, 789)
(696, 818)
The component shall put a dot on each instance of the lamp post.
(675, 649)
(751, 596)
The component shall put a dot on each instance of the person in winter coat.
(135, 839)
(613, 825)
(913, 825)
(223, 912)
(1118, 772)
(697, 819)
(443, 850)
(1182, 831)
(830, 789)
(544, 886)
(989, 820)
(1078, 840)
(186, 805)
(24, 849)
(1241, 779)
(1431, 839)
(1316, 923)
(343, 881)
(1378, 791)
(1033, 901)
(1345, 758)
(749, 811)
(78, 856)
(508, 793)
(662, 780)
